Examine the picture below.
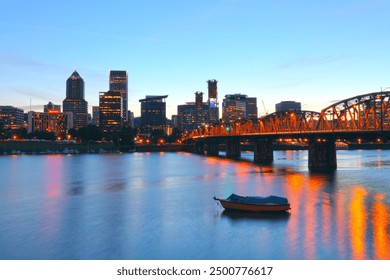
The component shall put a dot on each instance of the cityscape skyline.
(314, 53)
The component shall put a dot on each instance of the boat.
(255, 203)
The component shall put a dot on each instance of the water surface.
(160, 206)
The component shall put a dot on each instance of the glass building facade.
(153, 112)
(110, 111)
(118, 83)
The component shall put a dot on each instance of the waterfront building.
(110, 111)
(153, 112)
(51, 121)
(75, 102)
(288, 106)
(11, 117)
(251, 108)
(118, 82)
(238, 106)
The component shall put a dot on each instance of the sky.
(313, 52)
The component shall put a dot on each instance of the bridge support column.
(263, 152)
(212, 147)
(199, 147)
(233, 149)
(322, 154)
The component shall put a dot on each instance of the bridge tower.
(213, 101)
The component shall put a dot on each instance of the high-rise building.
(239, 106)
(11, 117)
(251, 108)
(75, 102)
(75, 86)
(153, 112)
(288, 106)
(118, 82)
(110, 111)
(186, 116)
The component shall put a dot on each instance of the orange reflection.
(380, 222)
(358, 223)
(53, 175)
(341, 233)
(295, 185)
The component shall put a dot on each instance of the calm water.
(160, 206)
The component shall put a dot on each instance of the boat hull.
(228, 205)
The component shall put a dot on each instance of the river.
(160, 206)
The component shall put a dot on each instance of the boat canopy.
(257, 199)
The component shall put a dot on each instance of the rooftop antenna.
(30, 104)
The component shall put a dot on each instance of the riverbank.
(53, 147)
(15, 147)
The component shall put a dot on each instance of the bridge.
(360, 118)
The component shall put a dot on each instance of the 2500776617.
(240, 270)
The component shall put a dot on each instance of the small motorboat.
(255, 203)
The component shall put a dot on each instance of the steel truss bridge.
(364, 117)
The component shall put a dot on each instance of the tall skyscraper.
(118, 83)
(75, 102)
(110, 111)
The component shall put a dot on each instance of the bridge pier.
(322, 154)
(263, 151)
(212, 147)
(199, 147)
(233, 149)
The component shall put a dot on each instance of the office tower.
(288, 106)
(75, 102)
(238, 106)
(186, 116)
(110, 111)
(11, 117)
(251, 108)
(118, 82)
(153, 112)
(213, 101)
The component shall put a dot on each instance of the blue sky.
(313, 52)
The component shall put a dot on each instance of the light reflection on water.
(159, 206)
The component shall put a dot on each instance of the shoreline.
(15, 147)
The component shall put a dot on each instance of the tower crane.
(265, 110)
